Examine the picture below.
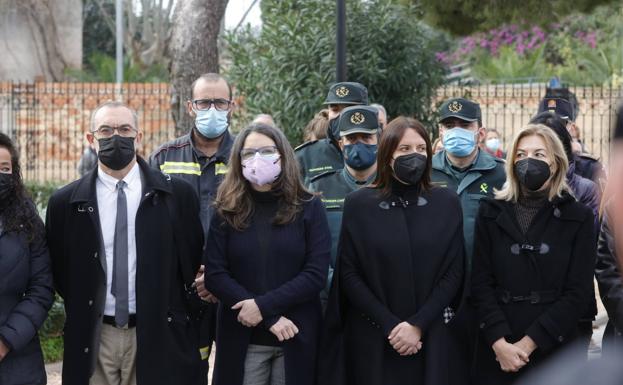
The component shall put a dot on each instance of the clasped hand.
(406, 339)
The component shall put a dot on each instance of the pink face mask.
(261, 170)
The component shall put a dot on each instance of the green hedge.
(51, 333)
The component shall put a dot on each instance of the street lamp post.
(340, 46)
(119, 40)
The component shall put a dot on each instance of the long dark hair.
(18, 214)
(233, 198)
(390, 138)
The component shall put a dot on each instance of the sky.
(237, 8)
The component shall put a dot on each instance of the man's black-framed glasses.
(205, 104)
(108, 131)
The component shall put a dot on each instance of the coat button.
(482, 325)
(95, 255)
(169, 319)
(86, 350)
(561, 338)
(90, 302)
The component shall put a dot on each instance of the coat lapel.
(84, 202)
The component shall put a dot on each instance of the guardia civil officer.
(585, 164)
(319, 156)
(473, 174)
(358, 127)
(200, 157)
(534, 255)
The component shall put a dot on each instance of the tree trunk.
(193, 50)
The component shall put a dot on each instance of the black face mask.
(116, 152)
(410, 168)
(333, 132)
(7, 189)
(532, 173)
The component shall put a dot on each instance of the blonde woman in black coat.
(534, 257)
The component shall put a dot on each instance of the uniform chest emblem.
(484, 188)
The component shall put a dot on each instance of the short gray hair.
(113, 104)
(380, 108)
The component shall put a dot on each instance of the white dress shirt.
(106, 187)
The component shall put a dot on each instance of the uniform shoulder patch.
(306, 144)
(323, 175)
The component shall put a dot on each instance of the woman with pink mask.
(266, 258)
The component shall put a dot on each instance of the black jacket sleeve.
(32, 309)
(218, 279)
(492, 320)
(609, 276)
(355, 288)
(447, 287)
(562, 316)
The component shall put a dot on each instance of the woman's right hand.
(510, 357)
(284, 329)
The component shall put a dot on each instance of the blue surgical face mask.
(211, 123)
(360, 156)
(459, 141)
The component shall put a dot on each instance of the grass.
(52, 349)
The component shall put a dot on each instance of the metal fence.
(509, 107)
(48, 120)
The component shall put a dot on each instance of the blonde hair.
(511, 189)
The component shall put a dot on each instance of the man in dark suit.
(125, 242)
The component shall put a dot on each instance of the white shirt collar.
(110, 182)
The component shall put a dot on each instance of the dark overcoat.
(537, 284)
(26, 295)
(300, 253)
(167, 345)
(399, 259)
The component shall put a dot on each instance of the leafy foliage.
(286, 68)
(468, 16)
(101, 68)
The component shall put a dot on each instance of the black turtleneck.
(528, 205)
(266, 204)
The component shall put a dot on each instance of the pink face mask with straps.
(261, 169)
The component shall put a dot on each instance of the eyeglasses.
(123, 130)
(205, 104)
(265, 152)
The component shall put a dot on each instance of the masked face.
(459, 142)
(360, 156)
(261, 169)
(116, 152)
(211, 123)
(493, 144)
(532, 173)
(409, 168)
(7, 188)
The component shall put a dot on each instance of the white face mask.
(493, 144)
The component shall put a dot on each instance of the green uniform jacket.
(333, 187)
(478, 182)
(317, 157)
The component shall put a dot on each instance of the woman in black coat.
(534, 257)
(26, 292)
(399, 269)
(266, 258)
